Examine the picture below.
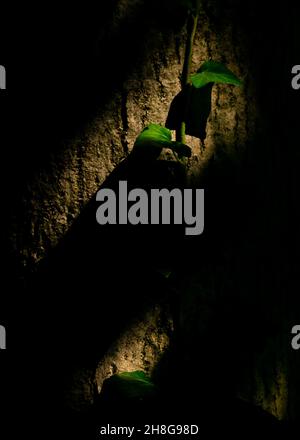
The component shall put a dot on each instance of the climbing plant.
(191, 107)
(188, 115)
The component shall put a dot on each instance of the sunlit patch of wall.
(56, 196)
(139, 348)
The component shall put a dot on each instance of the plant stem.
(186, 70)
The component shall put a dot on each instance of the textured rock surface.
(57, 192)
(140, 347)
(56, 195)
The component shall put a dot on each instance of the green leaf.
(176, 112)
(155, 134)
(135, 376)
(198, 111)
(129, 385)
(214, 72)
(153, 139)
(193, 104)
(193, 107)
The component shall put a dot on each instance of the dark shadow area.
(100, 278)
(109, 275)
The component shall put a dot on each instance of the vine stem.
(186, 70)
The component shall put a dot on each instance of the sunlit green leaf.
(135, 376)
(155, 134)
(214, 72)
(153, 139)
(129, 385)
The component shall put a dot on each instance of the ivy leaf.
(135, 385)
(193, 104)
(199, 109)
(214, 72)
(153, 139)
(193, 107)
(176, 111)
(135, 376)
